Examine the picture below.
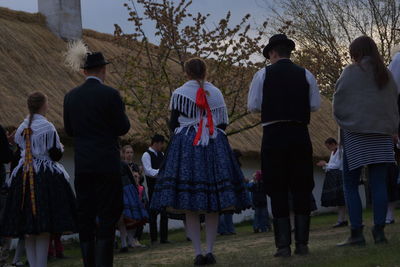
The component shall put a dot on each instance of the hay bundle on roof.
(31, 59)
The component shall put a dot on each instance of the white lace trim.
(184, 100)
(42, 139)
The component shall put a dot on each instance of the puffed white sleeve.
(254, 99)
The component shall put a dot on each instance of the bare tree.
(154, 71)
(324, 29)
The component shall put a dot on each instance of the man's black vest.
(286, 93)
(156, 159)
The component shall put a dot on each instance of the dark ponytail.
(196, 69)
(35, 102)
(365, 46)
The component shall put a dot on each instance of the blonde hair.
(123, 150)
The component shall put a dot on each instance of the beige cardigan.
(360, 106)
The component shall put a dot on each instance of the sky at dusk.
(101, 15)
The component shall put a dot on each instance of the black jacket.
(94, 115)
(6, 154)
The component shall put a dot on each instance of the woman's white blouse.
(335, 161)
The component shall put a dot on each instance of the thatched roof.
(31, 59)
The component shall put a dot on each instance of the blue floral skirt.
(135, 214)
(200, 179)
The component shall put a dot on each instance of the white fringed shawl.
(42, 139)
(184, 100)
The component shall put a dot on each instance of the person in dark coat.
(6, 156)
(285, 94)
(94, 115)
(6, 153)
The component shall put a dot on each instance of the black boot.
(283, 237)
(379, 234)
(104, 252)
(356, 238)
(153, 226)
(88, 249)
(301, 233)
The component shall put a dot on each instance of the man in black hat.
(285, 94)
(94, 115)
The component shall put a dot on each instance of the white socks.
(211, 230)
(123, 232)
(19, 251)
(37, 247)
(131, 239)
(341, 213)
(193, 230)
(390, 212)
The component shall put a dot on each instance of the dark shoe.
(301, 234)
(165, 242)
(50, 257)
(104, 252)
(341, 224)
(61, 256)
(301, 249)
(200, 260)
(283, 237)
(356, 239)
(283, 252)
(256, 231)
(19, 264)
(88, 253)
(210, 259)
(379, 234)
(188, 239)
(124, 250)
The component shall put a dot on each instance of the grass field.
(249, 249)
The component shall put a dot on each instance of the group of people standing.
(365, 108)
(199, 177)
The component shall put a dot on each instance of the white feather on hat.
(76, 54)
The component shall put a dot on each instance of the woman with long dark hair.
(200, 174)
(40, 199)
(365, 107)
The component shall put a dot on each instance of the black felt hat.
(278, 39)
(95, 59)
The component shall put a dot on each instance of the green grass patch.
(249, 249)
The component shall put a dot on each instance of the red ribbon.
(202, 103)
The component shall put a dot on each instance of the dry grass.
(249, 249)
(31, 60)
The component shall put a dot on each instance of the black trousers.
(139, 233)
(100, 204)
(287, 166)
(151, 182)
